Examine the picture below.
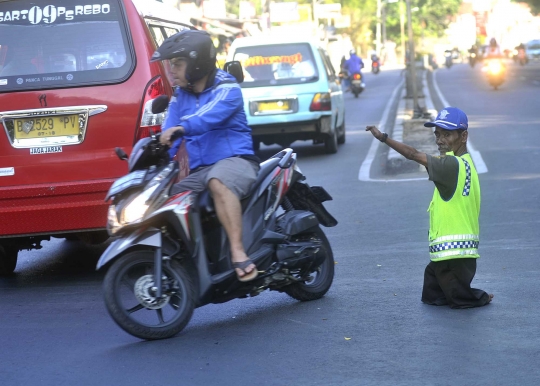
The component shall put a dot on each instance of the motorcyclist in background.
(354, 63)
(344, 74)
(493, 51)
(521, 55)
(473, 55)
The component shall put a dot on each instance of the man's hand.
(376, 133)
(165, 138)
(407, 151)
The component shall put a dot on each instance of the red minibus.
(75, 82)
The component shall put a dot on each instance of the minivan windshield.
(61, 44)
(277, 64)
(534, 45)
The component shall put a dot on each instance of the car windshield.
(65, 43)
(534, 45)
(277, 64)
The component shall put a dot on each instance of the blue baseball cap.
(450, 118)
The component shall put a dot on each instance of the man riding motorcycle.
(493, 50)
(493, 65)
(354, 63)
(473, 55)
(208, 111)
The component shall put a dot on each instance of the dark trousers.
(448, 282)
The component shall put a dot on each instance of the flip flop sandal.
(243, 265)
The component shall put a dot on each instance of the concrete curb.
(394, 158)
(396, 163)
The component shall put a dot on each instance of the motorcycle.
(496, 72)
(448, 61)
(472, 59)
(170, 253)
(357, 84)
(522, 57)
(375, 66)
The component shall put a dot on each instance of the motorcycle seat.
(206, 202)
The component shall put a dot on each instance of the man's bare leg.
(229, 212)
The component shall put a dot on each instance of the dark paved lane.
(55, 329)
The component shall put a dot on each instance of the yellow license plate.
(43, 127)
(273, 106)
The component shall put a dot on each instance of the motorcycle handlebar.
(177, 135)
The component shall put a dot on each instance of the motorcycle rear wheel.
(128, 297)
(324, 275)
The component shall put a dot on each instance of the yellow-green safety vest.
(453, 225)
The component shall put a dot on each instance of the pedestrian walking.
(453, 211)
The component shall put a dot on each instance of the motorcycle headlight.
(495, 67)
(135, 210)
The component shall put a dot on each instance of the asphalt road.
(371, 328)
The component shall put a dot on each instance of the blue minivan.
(291, 91)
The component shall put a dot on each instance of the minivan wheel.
(331, 143)
(341, 135)
(8, 260)
(329, 135)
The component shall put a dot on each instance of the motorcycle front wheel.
(321, 278)
(129, 293)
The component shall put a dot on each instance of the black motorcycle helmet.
(192, 45)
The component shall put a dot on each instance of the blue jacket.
(214, 122)
(354, 64)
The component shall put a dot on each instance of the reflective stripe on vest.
(455, 238)
(459, 252)
(454, 245)
(467, 187)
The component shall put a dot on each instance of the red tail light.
(357, 76)
(321, 102)
(150, 122)
(375, 64)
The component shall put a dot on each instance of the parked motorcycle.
(357, 83)
(170, 253)
(495, 72)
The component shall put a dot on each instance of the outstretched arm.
(407, 151)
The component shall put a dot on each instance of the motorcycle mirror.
(121, 154)
(160, 104)
(235, 69)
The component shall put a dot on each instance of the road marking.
(363, 174)
(481, 166)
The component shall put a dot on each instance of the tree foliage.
(535, 5)
(430, 18)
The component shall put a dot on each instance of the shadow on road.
(57, 263)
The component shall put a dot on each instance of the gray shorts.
(237, 174)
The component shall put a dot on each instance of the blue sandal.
(243, 265)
